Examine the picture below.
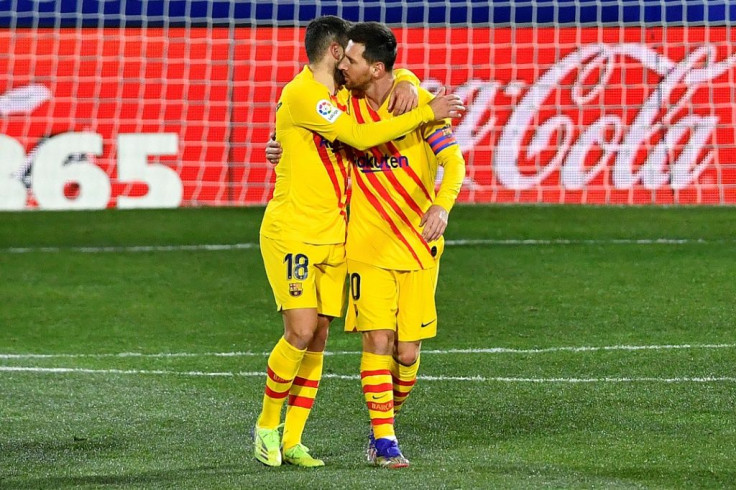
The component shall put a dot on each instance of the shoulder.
(292, 88)
(305, 91)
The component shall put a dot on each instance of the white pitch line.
(450, 243)
(505, 350)
(563, 241)
(141, 248)
(490, 350)
(251, 374)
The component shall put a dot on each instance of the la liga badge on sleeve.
(328, 111)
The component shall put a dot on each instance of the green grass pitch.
(578, 347)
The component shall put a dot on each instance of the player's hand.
(404, 98)
(433, 223)
(445, 106)
(273, 151)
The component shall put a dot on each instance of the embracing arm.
(321, 116)
(405, 95)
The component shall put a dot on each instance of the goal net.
(169, 103)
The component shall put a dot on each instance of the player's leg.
(301, 399)
(404, 370)
(296, 299)
(330, 288)
(283, 364)
(372, 311)
(375, 378)
(417, 320)
(375, 375)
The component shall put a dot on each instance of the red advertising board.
(178, 117)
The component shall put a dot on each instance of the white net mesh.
(169, 103)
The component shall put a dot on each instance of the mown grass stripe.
(452, 243)
(489, 350)
(249, 374)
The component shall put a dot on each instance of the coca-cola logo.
(565, 122)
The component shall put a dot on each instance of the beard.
(357, 87)
(339, 78)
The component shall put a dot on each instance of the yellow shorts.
(383, 299)
(303, 275)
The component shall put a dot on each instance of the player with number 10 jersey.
(394, 186)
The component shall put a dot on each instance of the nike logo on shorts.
(428, 323)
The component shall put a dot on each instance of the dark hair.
(322, 32)
(380, 43)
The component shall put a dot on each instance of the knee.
(300, 327)
(378, 342)
(407, 357)
(299, 337)
(407, 353)
(320, 336)
(319, 339)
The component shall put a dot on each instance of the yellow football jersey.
(309, 198)
(393, 185)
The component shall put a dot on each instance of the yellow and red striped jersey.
(309, 198)
(393, 186)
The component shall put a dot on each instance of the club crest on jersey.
(295, 289)
(328, 111)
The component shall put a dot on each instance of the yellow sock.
(283, 364)
(404, 378)
(301, 397)
(375, 377)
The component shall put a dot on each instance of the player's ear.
(336, 51)
(378, 69)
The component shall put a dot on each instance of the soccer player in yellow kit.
(394, 240)
(303, 231)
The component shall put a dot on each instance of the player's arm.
(321, 116)
(405, 95)
(445, 147)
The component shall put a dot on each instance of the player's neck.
(324, 73)
(379, 91)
